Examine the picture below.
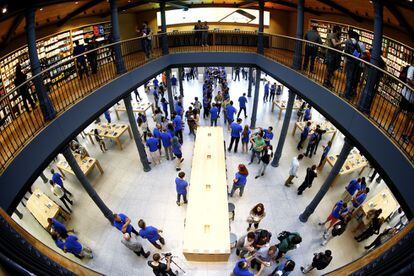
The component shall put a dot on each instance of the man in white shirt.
(294, 166)
(60, 193)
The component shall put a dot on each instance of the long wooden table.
(140, 107)
(355, 161)
(111, 131)
(282, 105)
(326, 125)
(42, 208)
(86, 164)
(206, 233)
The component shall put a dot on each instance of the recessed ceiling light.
(41, 9)
(76, 3)
(4, 10)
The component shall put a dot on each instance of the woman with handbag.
(256, 215)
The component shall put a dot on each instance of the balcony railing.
(67, 83)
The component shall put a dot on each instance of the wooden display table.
(86, 164)
(111, 131)
(384, 200)
(328, 126)
(354, 162)
(42, 208)
(282, 104)
(206, 233)
(140, 107)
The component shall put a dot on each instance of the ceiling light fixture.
(4, 10)
(76, 3)
(41, 9)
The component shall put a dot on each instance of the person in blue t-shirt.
(242, 105)
(236, 130)
(178, 126)
(58, 179)
(266, 92)
(72, 245)
(166, 139)
(240, 180)
(179, 110)
(152, 144)
(353, 187)
(339, 210)
(181, 186)
(174, 84)
(150, 233)
(304, 135)
(214, 114)
(230, 111)
(123, 224)
(58, 241)
(107, 115)
(359, 198)
(242, 268)
(164, 105)
(176, 149)
(308, 114)
(285, 267)
(311, 144)
(325, 154)
(268, 135)
(59, 227)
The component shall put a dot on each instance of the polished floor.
(125, 188)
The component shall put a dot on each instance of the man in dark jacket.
(311, 50)
(320, 261)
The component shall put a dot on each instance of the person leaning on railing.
(146, 42)
(332, 58)
(311, 50)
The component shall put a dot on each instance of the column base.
(303, 218)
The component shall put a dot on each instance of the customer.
(245, 137)
(320, 261)
(236, 73)
(272, 92)
(244, 246)
(204, 34)
(240, 180)
(301, 111)
(134, 245)
(146, 34)
(181, 186)
(382, 238)
(161, 269)
(100, 140)
(236, 130)
(107, 115)
(60, 193)
(143, 127)
(197, 34)
(293, 171)
(307, 182)
(72, 245)
(59, 227)
(93, 55)
(174, 84)
(370, 215)
(288, 241)
(325, 153)
(333, 58)
(242, 105)
(311, 50)
(152, 144)
(372, 229)
(320, 132)
(256, 215)
(264, 257)
(267, 155)
(123, 224)
(352, 65)
(151, 234)
(258, 146)
(19, 80)
(284, 268)
(262, 238)
(339, 210)
(58, 179)
(214, 114)
(337, 230)
(176, 149)
(351, 189)
(166, 139)
(79, 51)
(304, 135)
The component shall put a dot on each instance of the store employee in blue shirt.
(236, 130)
(178, 126)
(123, 224)
(351, 189)
(181, 186)
(58, 179)
(214, 114)
(151, 234)
(242, 269)
(242, 105)
(230, 111)
(268, 135)
(59, 227)
(325, 154)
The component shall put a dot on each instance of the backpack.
(283, 235)
(403, 73)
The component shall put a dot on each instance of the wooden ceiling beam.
(77, 11)
(400, 17)
(16, 22)
(342, 9)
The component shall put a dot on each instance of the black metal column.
(249, 89)
(180, 81)
(67, 153)
(46, 105)
(284, 130)
(368, 93)
(119, 60)
(169, 90)
(297, 59)
(164, 38)
(260, 49)
(328, 182)
(256, 99)
(137, 136)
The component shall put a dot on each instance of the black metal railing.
(74, 78)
